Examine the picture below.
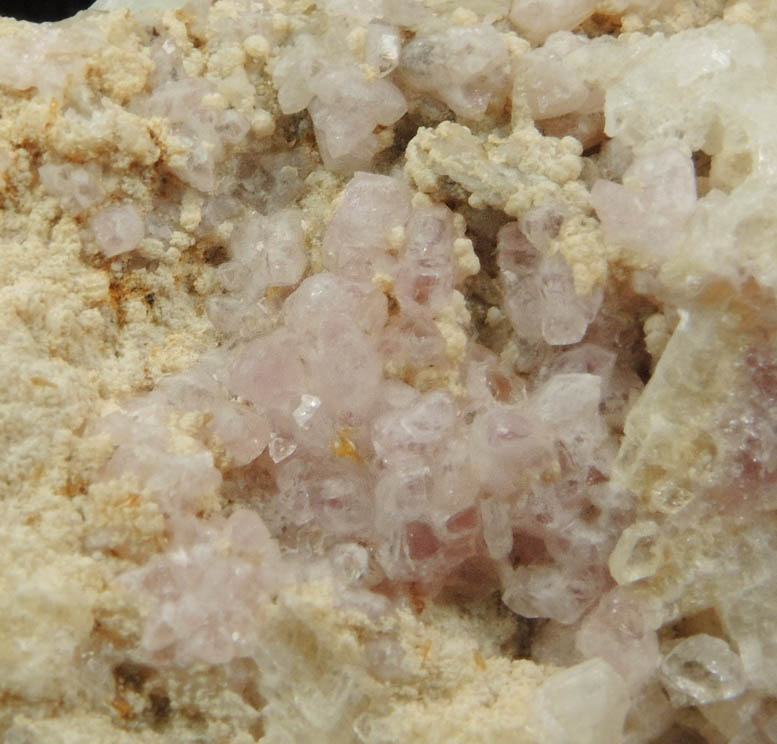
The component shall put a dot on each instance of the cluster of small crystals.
(701, 475)
(461, 476)
(379, 444)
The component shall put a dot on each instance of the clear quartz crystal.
(350, 561)
(497, 531)
(637, 554)
(281, 447)
(702, 669)
(383, 48)
(618, 630)
(304, 412)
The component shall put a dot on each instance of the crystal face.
(704, 669)
(389, 371)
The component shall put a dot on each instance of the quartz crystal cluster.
(393, 310)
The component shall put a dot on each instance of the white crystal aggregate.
(438, 253)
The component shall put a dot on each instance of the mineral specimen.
(389, 371)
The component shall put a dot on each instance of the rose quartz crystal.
(650, 209)
(345, 106)
(487, 472)
(466, 68)
(210, 587)
(540, 297)
(345, 111)
(117, 229)
(618, 631)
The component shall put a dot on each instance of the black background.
(42, 10)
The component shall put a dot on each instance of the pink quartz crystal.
(651, 208)
(117, 229)
(466, 68)
(210, 584)
(618, 631)
(490, 473)
(356, 240)
(345, 111)
(540, 297)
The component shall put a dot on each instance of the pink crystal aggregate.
(469, 479)
(351, 424)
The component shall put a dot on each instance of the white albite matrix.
(389, 371)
